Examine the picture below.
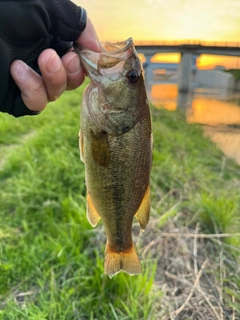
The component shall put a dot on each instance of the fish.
(115, 142)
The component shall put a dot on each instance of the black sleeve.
(27, 27)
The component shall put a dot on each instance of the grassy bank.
(51, 260)
(195, 191)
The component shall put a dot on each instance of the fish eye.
(133, 76)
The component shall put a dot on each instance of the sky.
(159, 20)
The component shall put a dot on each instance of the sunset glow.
(165, 95)
(206, 20)
(213, 112)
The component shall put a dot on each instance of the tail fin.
(126, 261)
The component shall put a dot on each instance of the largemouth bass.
(116, 147)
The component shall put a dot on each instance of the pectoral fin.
(80, 136)
(100, 149)
(92, 215)
(143, 212)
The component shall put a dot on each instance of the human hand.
(57, 74)
(36, 62)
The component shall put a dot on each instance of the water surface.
(217, 110)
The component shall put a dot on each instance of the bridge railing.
(187, 42)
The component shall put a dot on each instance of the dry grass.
(191, 272)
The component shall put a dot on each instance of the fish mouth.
(115, 48)
(109, 61)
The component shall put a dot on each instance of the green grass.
(51, 259)
(207, 181)
(51, 262)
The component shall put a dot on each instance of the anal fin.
(142, 215)
(92, 214)
(126, 261)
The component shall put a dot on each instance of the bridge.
(187, 49)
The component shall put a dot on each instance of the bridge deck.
(195, 47)
(188, 43)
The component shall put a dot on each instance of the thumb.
(89, 38)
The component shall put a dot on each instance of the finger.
(73, 67)
(53, 73)
(89, 38)
(31, 85)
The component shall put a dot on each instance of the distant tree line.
(235, 73)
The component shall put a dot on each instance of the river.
(216, 110)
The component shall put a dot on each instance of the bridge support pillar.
(184, 72)
(148, 72)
